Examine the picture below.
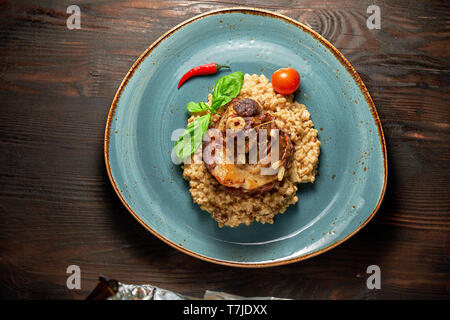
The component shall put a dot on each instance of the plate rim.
(339, 56)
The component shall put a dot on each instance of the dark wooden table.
(57, 206)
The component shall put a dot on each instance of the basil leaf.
(192, 137)
(226, 88)
(197, 107)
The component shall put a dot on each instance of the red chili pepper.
(209, 68)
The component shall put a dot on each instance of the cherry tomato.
(285, 81)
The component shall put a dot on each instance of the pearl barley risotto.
(230, 208)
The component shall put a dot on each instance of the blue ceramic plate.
(148, 107)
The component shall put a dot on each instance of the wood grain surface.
(57, 206)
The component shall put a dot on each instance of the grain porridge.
(232, 209)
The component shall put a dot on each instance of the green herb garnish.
(197, 107)
(192, 137)
(225, 89)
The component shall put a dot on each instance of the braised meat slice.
(246, 151)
